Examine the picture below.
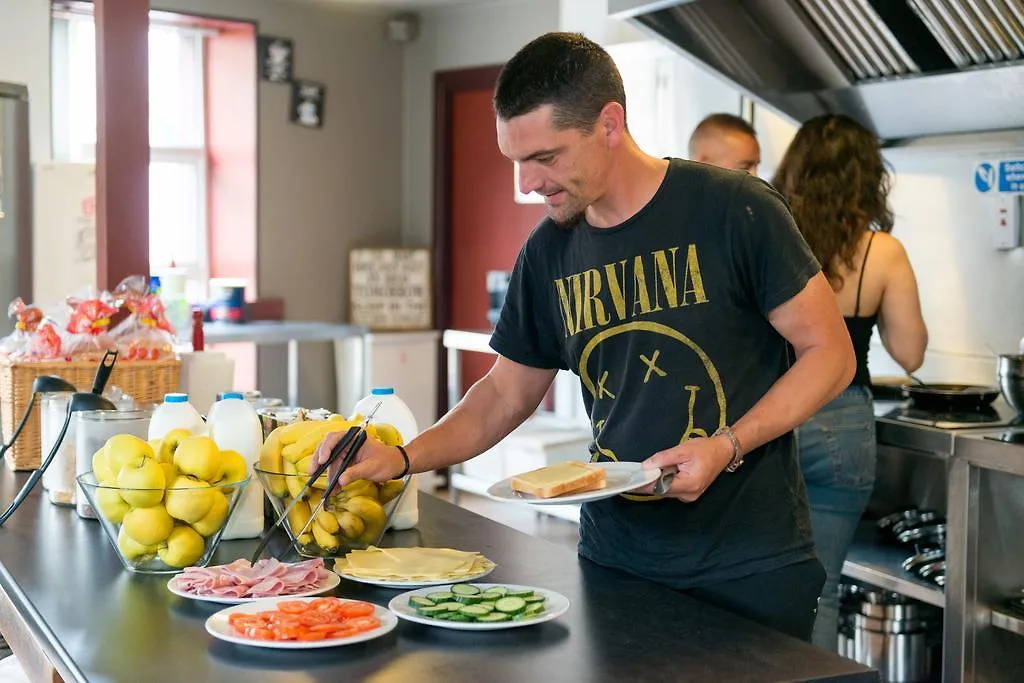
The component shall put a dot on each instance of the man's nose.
(529, 180)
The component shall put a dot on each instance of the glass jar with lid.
(94, 428)
(59, 477)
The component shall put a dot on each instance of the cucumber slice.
(455, 616)
(465, 589)
(534, 599)
(534, 608)
(497, 590)
(489, 606)
(492, 618)
(432, 611)
(510, 605)
(469, 599)
(451, 606)
(520, 594)
(417, 601)
(443, 596)
(473, 611)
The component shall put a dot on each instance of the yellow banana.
(293, 432)
(368, 510)
(389, 490)
(388, 435)
(361, 487)
(295, 481)
(327, 521)
(305, 539)
(270, 461)
(298, 516)
(308, 442)
(324, 538)
(351, 526)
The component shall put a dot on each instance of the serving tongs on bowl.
(353, 440)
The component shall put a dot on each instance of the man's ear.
(612, 122)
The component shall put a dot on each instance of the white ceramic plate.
(218, 627)
(555, 606)
(325, 584)
(389, 583)
(620, 477)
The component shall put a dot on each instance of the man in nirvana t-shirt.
(672, 288)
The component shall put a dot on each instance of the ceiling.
(405, 4)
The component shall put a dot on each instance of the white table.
(291, 333)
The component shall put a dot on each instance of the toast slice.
(560, 479)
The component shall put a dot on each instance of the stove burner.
(950, 419)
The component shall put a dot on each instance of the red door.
(487, 226)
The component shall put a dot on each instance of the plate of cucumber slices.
(479, 606)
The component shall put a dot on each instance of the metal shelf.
(881, 565)
(1001, 618)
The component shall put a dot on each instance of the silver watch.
(737, 450)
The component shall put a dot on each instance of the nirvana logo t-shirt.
(665, 320)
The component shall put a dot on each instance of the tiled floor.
(560, 531)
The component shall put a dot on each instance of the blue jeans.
(837, 456)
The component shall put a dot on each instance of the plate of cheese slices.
(412, 567)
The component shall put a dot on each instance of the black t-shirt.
(664, 318)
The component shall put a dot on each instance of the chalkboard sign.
(390, 288)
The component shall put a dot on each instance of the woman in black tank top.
(835, 180)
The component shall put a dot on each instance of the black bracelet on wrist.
(405, 459)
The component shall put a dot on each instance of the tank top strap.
(860, 281)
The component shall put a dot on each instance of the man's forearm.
(818, 376)
(480, 420)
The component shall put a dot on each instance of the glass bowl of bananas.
(352, 518)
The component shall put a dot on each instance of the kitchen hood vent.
(904, 68)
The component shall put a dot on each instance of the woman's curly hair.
(837, 185)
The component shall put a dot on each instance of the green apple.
(189, 499)
(132, 550)
(182, 548)
(233, 468)
(125, 450)
(213, 520)
(142, 485)
(199, 457)
(169, 444)
(101, 468)
(148, 526)
(110, 502)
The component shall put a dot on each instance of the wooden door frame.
(446, 85)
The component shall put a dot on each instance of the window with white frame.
(178, 230)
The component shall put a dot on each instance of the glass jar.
(59, 477)
(94, 428)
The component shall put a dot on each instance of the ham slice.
(268, 578)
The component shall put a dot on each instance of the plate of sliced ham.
(241, 582)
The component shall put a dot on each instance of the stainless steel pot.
(1010, 372)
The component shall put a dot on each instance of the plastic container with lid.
(234, 425)
(175, 413)
(394, 411)
(93, 428)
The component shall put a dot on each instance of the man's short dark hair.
(716, 124)
(573, 74)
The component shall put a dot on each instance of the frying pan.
(950, 397)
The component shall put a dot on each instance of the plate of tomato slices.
(301, 623)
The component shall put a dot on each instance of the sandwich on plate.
(558, 480)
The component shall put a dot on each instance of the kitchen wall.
(454, 38)
(321, 192)
(25, 59)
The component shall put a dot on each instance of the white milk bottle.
(395, 412)
(235, 426)
(175, 413)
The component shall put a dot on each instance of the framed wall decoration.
(307, 103)
(276, 56)
(390, 288)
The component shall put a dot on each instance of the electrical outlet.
(1006, 226)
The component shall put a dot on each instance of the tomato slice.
(312, 635)
(350, 610)
(364, 623)
(292, 607)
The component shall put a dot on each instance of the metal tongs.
(354, 437)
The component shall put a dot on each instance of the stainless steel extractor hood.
(904, 68)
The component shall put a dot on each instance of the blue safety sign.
(1001, 176)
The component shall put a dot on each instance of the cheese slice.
(412, 564)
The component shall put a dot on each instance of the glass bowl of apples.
(164, 505)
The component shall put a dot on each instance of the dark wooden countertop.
(97, 622)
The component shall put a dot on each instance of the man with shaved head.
(726, 141)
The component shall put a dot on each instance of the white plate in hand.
(325, 584)
(218, 627)
(555, 605)
(620, 477)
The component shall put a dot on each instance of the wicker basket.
(146, 381)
